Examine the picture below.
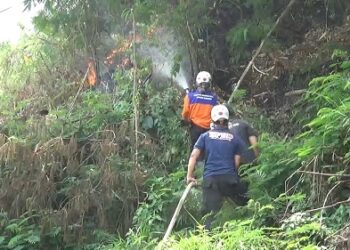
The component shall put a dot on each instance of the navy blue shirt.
(220, 147)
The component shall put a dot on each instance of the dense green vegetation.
(105, 170)
(292, 205)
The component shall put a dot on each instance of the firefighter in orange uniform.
(198, 105)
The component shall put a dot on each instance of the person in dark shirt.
(249, 136)
(221, 151)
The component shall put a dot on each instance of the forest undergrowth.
(299, 187)
(69, 179)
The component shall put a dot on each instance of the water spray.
(181, 80)
(163, 60)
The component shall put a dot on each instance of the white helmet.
(203, 77)
(219, 112)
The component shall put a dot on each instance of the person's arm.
(186, 109)
(237, 161)
(253, 140)
(239, 149)
(192, 164)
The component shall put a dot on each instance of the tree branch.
(260, 47)
(135, 97)
(3, 10)
(324, 174)
(329, 206)
(295, 92)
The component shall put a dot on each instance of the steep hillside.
(92, 150)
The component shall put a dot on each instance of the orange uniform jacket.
(197, 108)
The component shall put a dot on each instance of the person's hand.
(190, 179)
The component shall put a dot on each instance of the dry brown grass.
(71, 183)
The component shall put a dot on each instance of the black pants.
(195, 132)
(216, 188)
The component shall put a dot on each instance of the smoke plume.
(164, 55)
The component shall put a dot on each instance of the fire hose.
(176, 213)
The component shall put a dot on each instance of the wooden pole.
(260, 47)
(176, 213)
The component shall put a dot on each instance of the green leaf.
(245, 34)
(13, 228)
(147, 122)
(15, 241)
(20, 247)
(345, 65)
(34, 238)
(2, 239)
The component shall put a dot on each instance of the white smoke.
(163, 54)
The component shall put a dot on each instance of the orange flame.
(125, 45)
(91, 74)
